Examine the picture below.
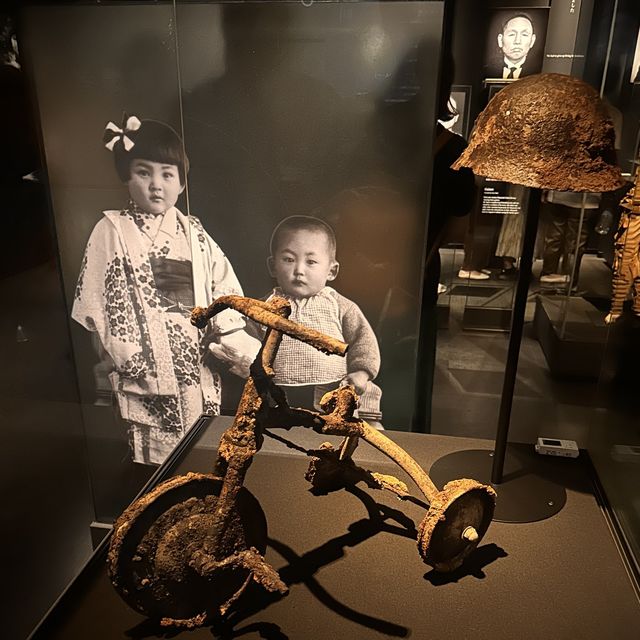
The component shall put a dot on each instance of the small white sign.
(555, 447)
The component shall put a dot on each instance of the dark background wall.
(46, 498)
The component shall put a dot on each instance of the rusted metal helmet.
(549, 131)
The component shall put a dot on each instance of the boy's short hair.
(303, 223)
(154, 141)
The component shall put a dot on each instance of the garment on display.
(185, 552)
(626, 265)
(567, 215)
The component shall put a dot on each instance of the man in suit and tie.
(515, 40)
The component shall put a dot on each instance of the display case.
(328, 111)
(334, 82)
(282, 109)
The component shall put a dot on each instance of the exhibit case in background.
(322, 109)
(576, 375)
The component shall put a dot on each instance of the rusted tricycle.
(185, 552)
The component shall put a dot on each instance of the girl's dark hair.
(154, 141)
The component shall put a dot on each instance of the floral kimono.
(140, 276)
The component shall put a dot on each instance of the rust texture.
(329, 472)
(462, 503)
(263, 313)
(185, 552)
(151, 561)
(549, 131)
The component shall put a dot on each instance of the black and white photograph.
(303, 264)
(515, 43)
(165, 198)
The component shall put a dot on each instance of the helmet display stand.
(547, 131)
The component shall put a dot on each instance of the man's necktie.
(511, 72)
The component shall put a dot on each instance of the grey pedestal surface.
(353, 569)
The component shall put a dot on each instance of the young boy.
(303, 260)
(144, 268)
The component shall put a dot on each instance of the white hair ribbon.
(113, 133)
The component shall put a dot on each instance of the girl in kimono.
(144, 268)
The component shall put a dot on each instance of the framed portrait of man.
(515, 43)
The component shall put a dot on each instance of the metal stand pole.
(515, 338)
(524, 493)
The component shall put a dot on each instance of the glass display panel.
(120, 61)
(324, 111)
(584, 318)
